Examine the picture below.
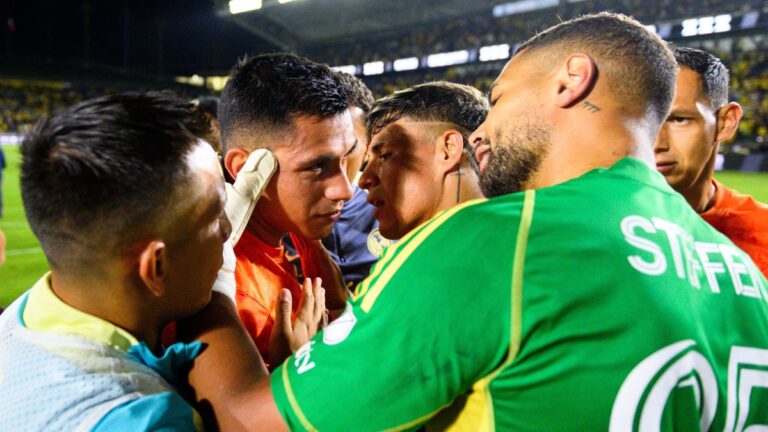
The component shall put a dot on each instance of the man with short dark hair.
(687, 147)
(299, 110)
(596, 299)
(128, 206)
(419, 159)
(355, 243)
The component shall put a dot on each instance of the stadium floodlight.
(749, 20)
(448, 58)
(195, 80)
(405, 64)
(722, 23)
(240, 6)
(216, 83)
(665, 30)
(706, 25)
(522, 6)
(373, 68)
(347, 69)
(690, 27)
(494, 52)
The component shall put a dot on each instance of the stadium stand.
(485, 29)
(747, 61)
(749, 87)
(23, 101)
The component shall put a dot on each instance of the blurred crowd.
(749, 87)
(749, 84)
(484, 29)
(23, 102)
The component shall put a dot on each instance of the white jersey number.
(679, 365)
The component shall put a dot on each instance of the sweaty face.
(310, 185)
(686, 146)
(514, 139)
(196, 233)
(402, 177)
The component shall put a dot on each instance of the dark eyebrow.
(376, 146)
(325, 158)
(319, 160)
(691, 113)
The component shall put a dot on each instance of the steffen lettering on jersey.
(667, 247)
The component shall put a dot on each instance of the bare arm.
(229, 381)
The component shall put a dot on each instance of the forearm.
(229, 382)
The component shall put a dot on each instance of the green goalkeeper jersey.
(603, 303)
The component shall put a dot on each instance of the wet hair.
(461, 106)
(359, 94)
(264, 94)
(440, 101)
(713, 73)
(99, 174)
(637, 64)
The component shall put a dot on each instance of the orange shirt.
(743, 220)
(261, 271)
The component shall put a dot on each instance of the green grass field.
(25, 262)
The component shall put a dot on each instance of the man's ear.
(728, 118)
(234, 160)
(153, 263)
(575, 79)
(450, 147)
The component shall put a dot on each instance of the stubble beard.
(515, 159)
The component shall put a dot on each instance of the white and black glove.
(242, 196)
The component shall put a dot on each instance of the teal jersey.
(603, 303)
(62, 369)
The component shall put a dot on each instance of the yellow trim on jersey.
(389, 253)
(197, 421)
(408, 249)
(363, 287)
(518, 272)
(477, 414)
(416, 422)
(45, 312)
(294, 404)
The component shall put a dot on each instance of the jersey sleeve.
(257, 322)
(165, 411)
(422, 329)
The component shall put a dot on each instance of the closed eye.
(679, 120)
